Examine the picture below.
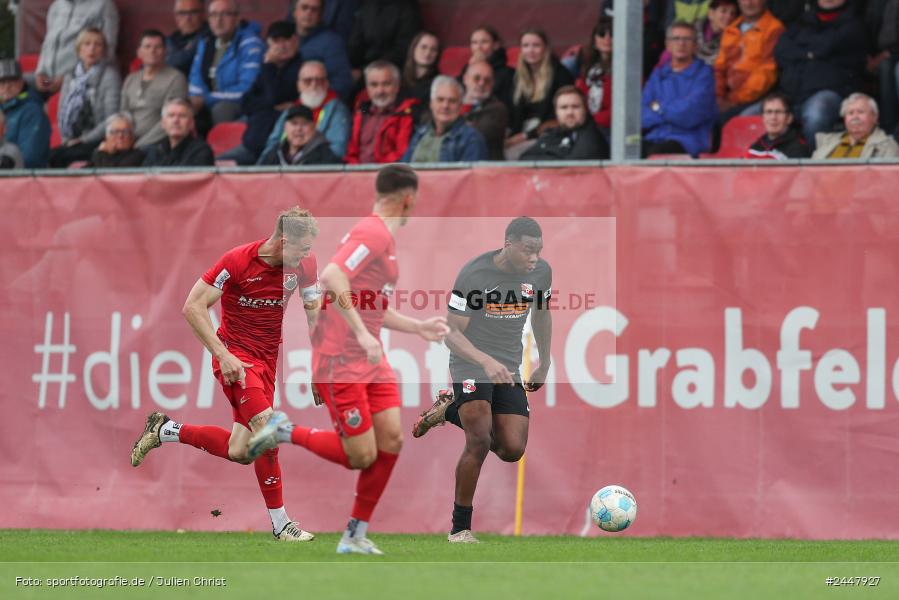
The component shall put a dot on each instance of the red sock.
(371, 484)
(326, 444)
(268, 473)
(213, 440)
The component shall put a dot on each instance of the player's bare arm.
(196, 311)
(461, 345)
(542, 324)
(432, 330)
(312, 310)
(337, 282)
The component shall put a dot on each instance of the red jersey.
(367, 254)
(254, 297)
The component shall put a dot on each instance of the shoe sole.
(417, 430)
(264, 439)
(154, 422)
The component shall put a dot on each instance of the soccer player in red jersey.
(254, 282)
(350, 372)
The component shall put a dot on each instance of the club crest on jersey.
(468, 386)
(352, 418)
(527, 290)
(290, 281)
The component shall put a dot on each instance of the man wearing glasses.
(679, 106)
(225, 66)
(181, 46)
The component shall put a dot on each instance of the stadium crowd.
(358, 81)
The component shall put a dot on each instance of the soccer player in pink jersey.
(349, 370)
(254, 283)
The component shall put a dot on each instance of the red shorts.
(354, 390)
(259, 393)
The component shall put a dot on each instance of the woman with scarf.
(90, 94)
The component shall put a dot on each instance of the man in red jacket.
(383, 124)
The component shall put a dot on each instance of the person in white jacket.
(65, 20)
(862, 138)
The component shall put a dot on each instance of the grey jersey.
(497, 304)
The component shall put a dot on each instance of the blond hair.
(295, 223)
(90, 31)
(532, 84)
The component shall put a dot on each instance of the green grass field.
(251, 565)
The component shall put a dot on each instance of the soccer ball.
(613, 508)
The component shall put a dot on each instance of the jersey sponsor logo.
(261, 302)
(517, 310)
(468, 386)
(252, 279)
(352, 417)
(527, 290)
(290, 281)
(222, 277)
(456, 301)
(356, 258)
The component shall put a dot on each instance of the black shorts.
(504, 399)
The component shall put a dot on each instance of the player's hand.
(433, 329)
(234, 370)
(371, 346)
(316, 396)
(496, 371)
(537, 378)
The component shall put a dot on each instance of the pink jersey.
(367, 254)
(254, 298)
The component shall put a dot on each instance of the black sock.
(452, 415)
(461, 517)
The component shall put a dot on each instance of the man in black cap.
(275, 90)
(27, 125)
(303, 144)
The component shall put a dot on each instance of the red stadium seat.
(52, 108)
(737, 136)
(225, 136)
(512, 56)
(28, 62)
(454, 59)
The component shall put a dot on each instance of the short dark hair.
(151, 33)
(783, 98)
(393, 178)
(569, 89)
(523, 226)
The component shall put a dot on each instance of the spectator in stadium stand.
(383, 124)
(882, 18)
(10, 155)
(447, 137)
(225, 66)
(117, 150)
(90, 93)
(781, 139)
(191, 27)
(537, 77)
(27, 125)
(180, 148)
(710, 29)
(822, 60)
(317, 42)
(595, 74)
(146, 90)
(576, 137)
(486, 45)
(332, 117)
(862, 138)
(483, 110)
(745, 69)
(383, 30)
(421, 66)
(789, 11)
(679, 107)
(274, 91)
(303, 144)
(337, 15)
(66, 19)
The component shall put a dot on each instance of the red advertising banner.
(724, 346)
